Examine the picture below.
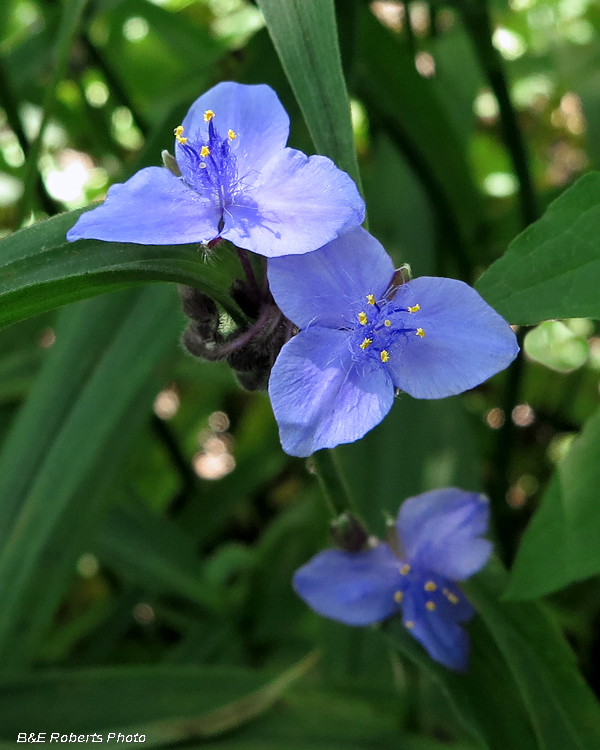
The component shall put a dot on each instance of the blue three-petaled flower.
(438, 543)
(362, 338)
(238, 181)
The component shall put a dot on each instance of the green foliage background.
(150, 523)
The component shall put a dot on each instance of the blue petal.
(444, 640)
(297, 205)
(465, 341)
(320, 399)
(254, 113)
(329, 287)
(356, 588)
(152, 208)
(440, 531)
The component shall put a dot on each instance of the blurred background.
(167, 520)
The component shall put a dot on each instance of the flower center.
(383, 326)
(209, 166)
(423, 593)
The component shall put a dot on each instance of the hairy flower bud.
(348, 533)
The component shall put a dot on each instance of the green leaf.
(414, 449)
(551, 269)
(88, 401)
(154, 552)
(166, 703)
(410, 110)
(562, 708)
(483, 697)
(305, 36)
(317, 720)
(562, 542)
(40, 270)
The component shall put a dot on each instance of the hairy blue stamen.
(210, 166)
(382, 326)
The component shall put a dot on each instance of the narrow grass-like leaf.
(314, 719)
(304, 33)
(43, 471)
(40, 270)
(166, 703)
(483, 697)
(562, 708)
(154, 552)
(409, 109)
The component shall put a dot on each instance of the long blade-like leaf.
(40, 270)
(56, 449)
(305, 36)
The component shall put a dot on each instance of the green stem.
(476, 16)
(504, 515)
(8, 102)
(477, 19)
(67, 29)
(447, 226)
(114, 83)
(332, 482)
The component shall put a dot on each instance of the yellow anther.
(231, 134)
(384, 355)
(420, 332)
(366, 342)
(371, 299)
(405, 569)
(409, 624)
(177, 133)
(398, 597)
(208, 115)
(387, 323)
(204, 151)
(362, 318)
(414, 308)
(430, 586)
(452, 598)
(430, 606)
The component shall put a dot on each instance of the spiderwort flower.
(362, 337)
(438, 543)
(238, 181)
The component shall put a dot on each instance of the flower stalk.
(332, 482)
